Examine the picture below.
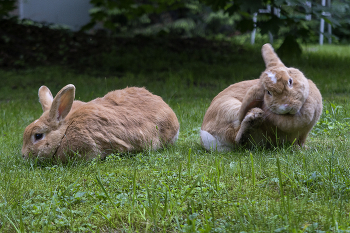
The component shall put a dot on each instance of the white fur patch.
(211, 143)
(272, 76)
(36, 121)
(175, 137)
(283, 109)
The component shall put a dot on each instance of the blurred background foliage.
(176, 18)
(221, 18)
(215, 18)
(289, 22)
(6, 6)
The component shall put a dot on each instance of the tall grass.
(182, 188)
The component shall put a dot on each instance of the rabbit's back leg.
(252, 120)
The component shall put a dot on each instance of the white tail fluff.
(210, 143)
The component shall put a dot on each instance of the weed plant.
(182, 188)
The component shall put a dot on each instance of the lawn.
(182, 188)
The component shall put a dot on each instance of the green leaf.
(289, 48)
(245, 25)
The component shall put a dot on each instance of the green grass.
(181, 188)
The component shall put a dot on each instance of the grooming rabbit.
(281, 106)
(131, 119)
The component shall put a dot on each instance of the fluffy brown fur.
(132, 119)
(281, 106)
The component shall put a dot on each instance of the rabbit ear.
(252, 99)
(270, 57)
(45, 98)
(62, 103)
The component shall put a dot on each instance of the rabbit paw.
(253, 119)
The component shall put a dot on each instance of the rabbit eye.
(290, 82)
(38, 136)
(268, 92)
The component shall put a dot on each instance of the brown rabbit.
(281, 106)
(132, 119)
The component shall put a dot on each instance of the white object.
(322, 24)
(276, 12)
(71, 13)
